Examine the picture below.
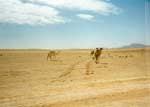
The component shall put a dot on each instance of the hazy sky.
(73, 23)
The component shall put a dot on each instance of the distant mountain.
(135, 45)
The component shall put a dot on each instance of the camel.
(97, 54)
(52, 55)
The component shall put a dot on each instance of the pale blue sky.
(76, 28)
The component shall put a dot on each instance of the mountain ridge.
(135, 45)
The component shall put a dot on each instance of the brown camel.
(51, 55)
(97, 54)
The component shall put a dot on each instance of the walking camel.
(97, 54)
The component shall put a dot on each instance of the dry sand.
(121, 79)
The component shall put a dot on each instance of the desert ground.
(72, 79)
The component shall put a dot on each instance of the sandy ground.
(121, 79)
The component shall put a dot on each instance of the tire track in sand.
(68, 71)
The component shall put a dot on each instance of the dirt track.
(121, 78)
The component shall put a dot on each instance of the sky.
(65, 24)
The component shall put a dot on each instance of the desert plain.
(72, 79)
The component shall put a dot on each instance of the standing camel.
(51, 55)
(97, 54)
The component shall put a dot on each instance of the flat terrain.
(121, 79)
